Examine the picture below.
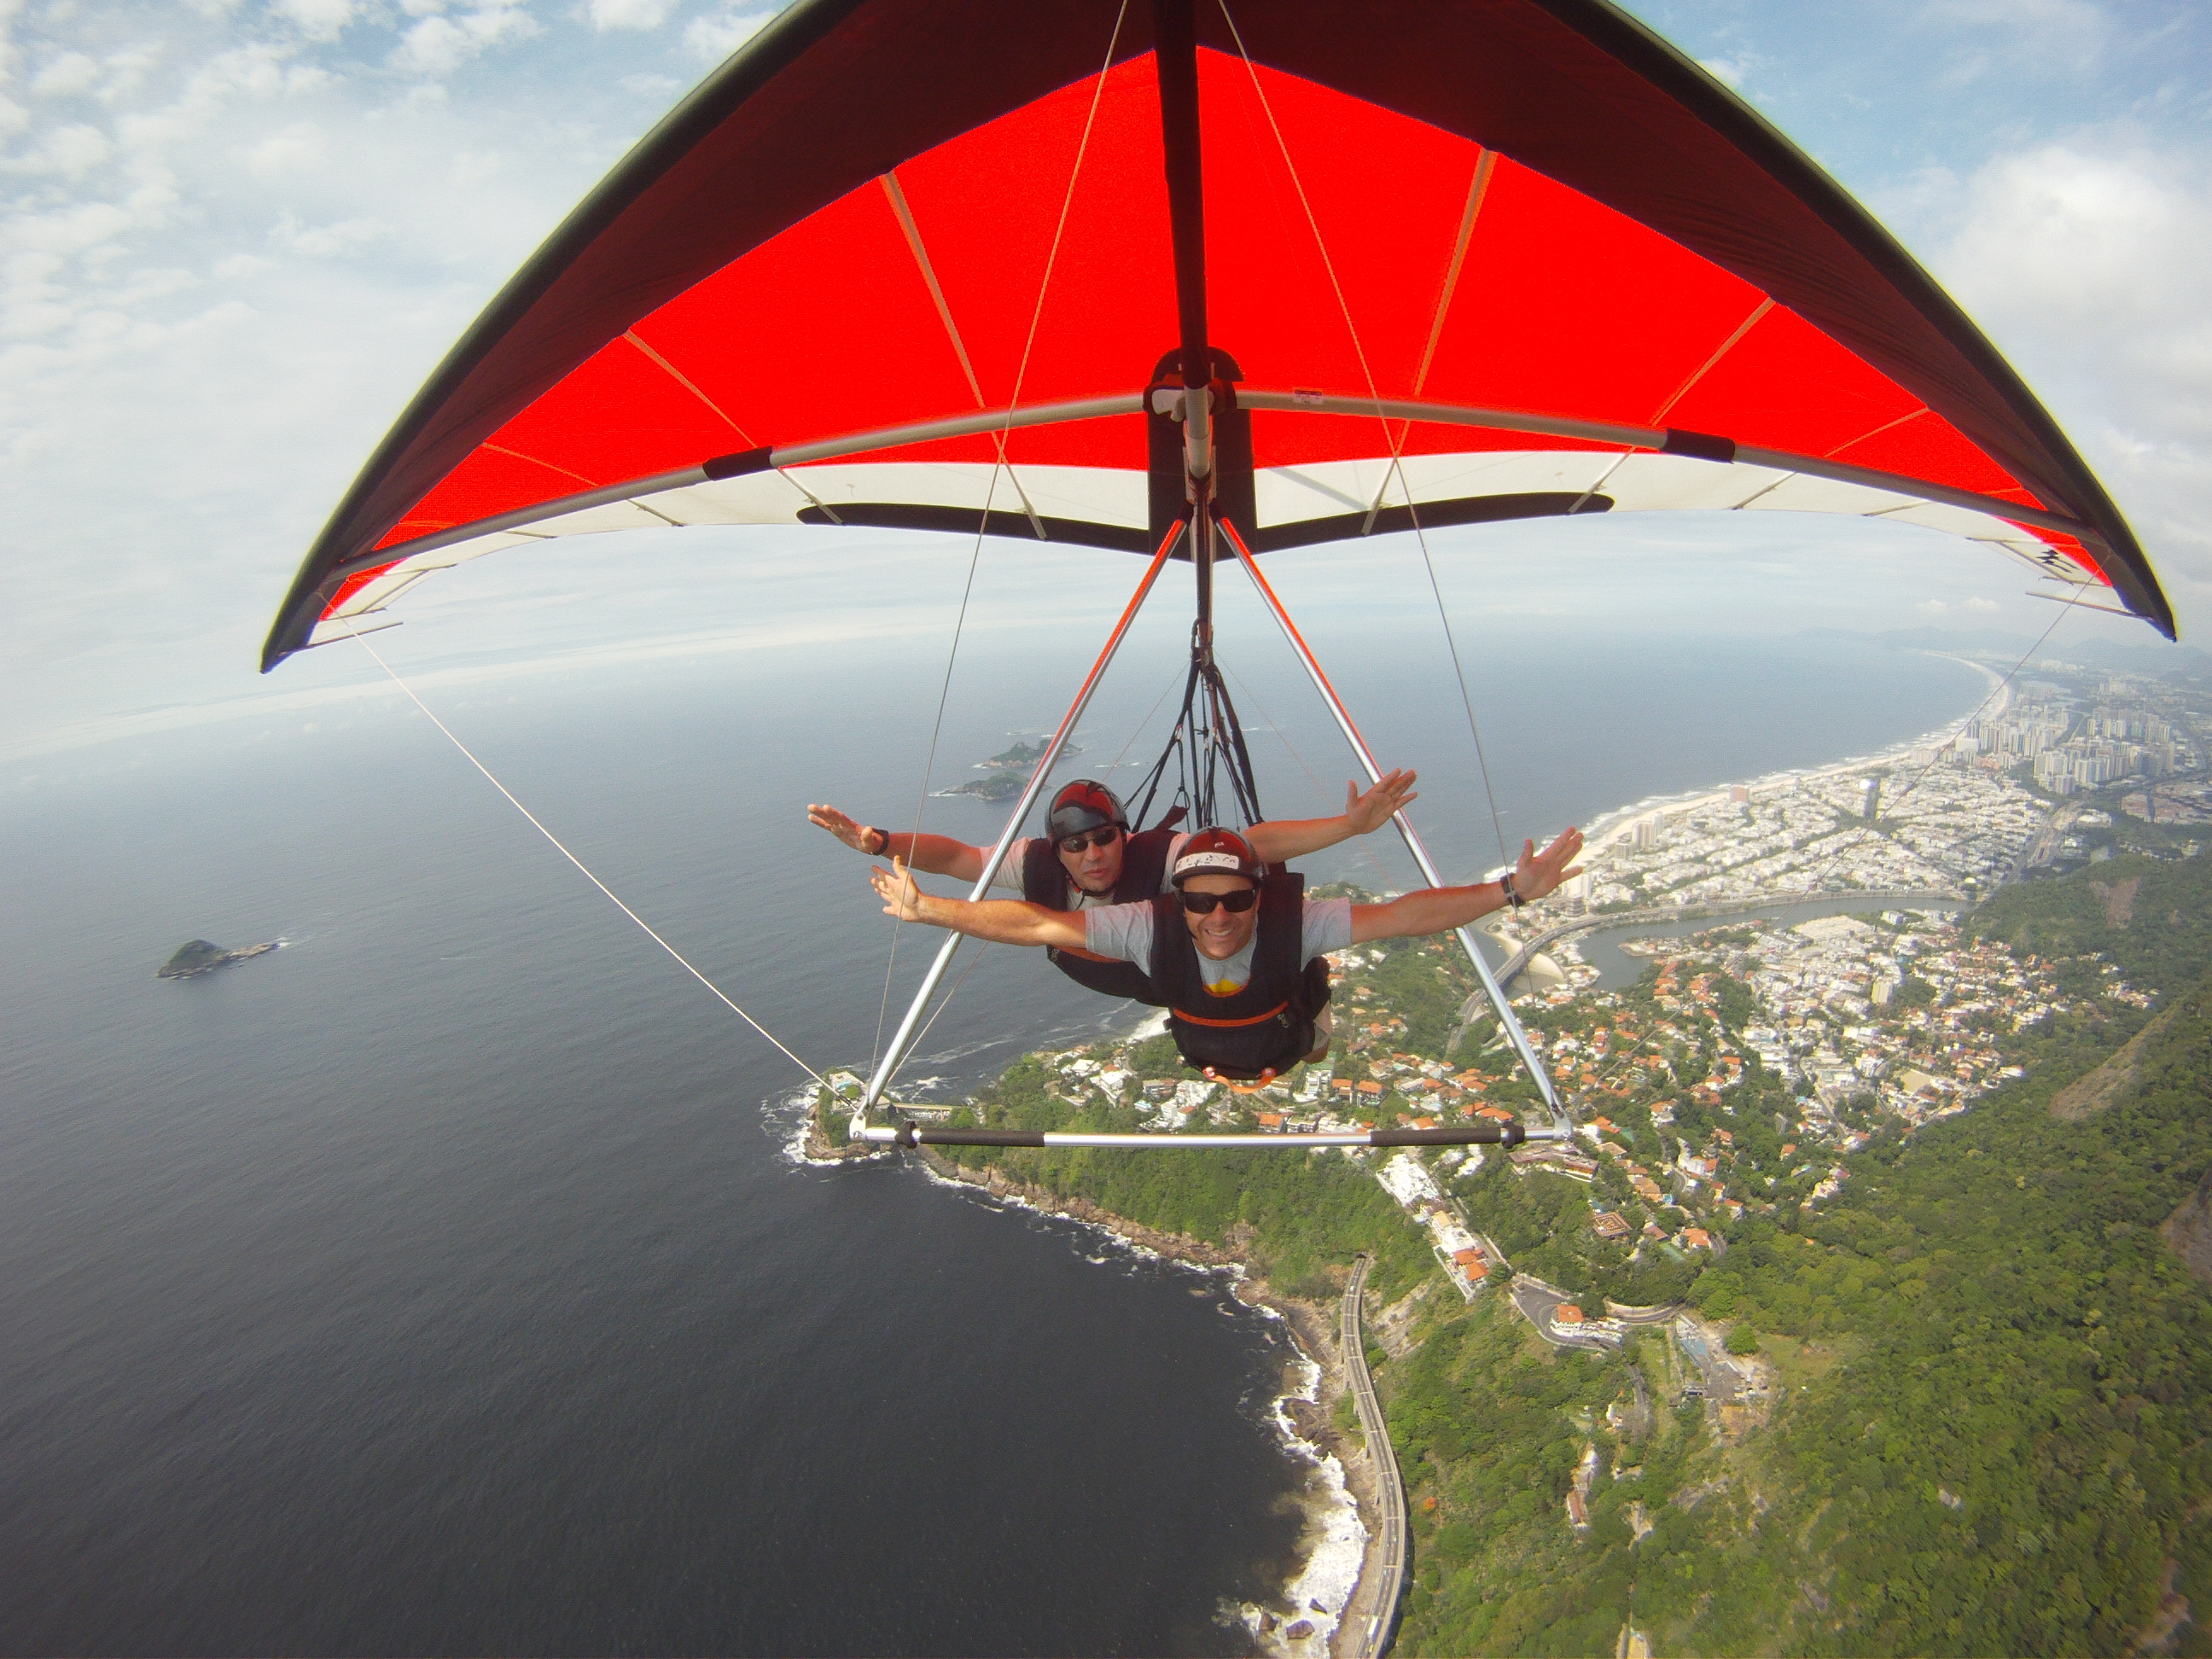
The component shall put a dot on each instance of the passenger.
(1087, 859)
(1241, 977)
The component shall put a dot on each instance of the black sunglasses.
(1201, 904)
(1106, 837)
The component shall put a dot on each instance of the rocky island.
(1005, 772)
(197, 957)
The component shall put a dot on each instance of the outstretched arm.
(1434, 909)
(1281, 839)
(1002, 921)
(936, 855)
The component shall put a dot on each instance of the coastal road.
(1374, 1610)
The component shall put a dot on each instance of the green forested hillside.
(1985, 1423)
(1991, 1436)
(1300, 1217)
(2153, 918)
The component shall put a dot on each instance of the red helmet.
(1084, 804)
(1218, 853)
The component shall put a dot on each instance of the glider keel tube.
(1481, 1134)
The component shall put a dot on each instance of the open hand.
(1370, 812)
(854, 835)
(902, 898)
(1537, 873)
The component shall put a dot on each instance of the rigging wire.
(1365, 850)
(990, 494)
(1139, 731)
(1205, 730)
(938, 1012)
(1396, 441)
(561, 847)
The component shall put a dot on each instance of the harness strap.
(1255, 1019)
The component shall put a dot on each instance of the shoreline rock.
(1312, 1331)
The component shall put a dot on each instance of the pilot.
(1241, 976)
(1087, 859)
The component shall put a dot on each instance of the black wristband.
(886, 847)
(1505, 886)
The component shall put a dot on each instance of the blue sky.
(240, 233)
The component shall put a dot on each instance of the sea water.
(440, 1283)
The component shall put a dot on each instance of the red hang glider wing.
(1567, 270)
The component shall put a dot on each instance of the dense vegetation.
(2153, 918)
(1298, 1219)
(1991, 1425)
(1994, 1437)
(1991, 1432)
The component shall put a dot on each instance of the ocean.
(444, 1282)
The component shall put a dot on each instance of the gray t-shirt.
(1124, 932)
(1009, 874)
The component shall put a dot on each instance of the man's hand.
(854, 835)
(1369, 812)
(902, 898)
(1535, 874)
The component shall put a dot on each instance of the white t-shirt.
(1124, 932)
(1016, 859)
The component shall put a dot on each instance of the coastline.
(1339, 1536)
(1338, 1501)
(1620, 820)
(1340, 1540)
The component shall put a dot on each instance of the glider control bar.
(1665, 440)
(905, 1037)
(1484, 1134)
(1491, 988)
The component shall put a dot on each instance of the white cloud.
(65, 76)
(71, 151)
(318, 20)
(716, 36)
(298, 147)
(630, 13)
(231, 253)
(1729, 72)
(2086, 260)
(438, 45)
(2069, 38)
(325, 241)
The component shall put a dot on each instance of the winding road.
(1373, 1614)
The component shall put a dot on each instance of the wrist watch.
(883, 844)
(1505, 886)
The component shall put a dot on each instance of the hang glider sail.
(1461, 262)
(1150, 278)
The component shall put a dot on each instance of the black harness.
(1143, 867)
(1267, 1026)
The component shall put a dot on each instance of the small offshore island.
(1008, 771)
(1873, 1315)
(197, 957)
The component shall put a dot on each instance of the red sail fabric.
(1579, 226)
